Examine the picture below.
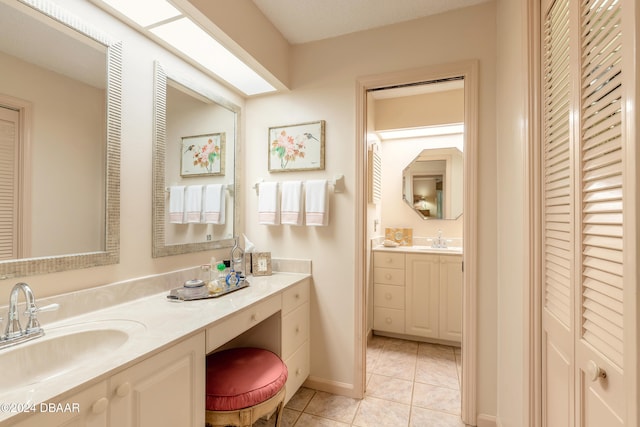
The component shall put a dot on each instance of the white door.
(584, 214)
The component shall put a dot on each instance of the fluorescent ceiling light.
(184, 35)
(144, 12)
(167, 23)
(449, 129)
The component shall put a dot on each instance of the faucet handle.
(35, 309)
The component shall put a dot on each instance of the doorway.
(468, 71)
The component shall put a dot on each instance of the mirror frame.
(163, 73)
(111, 253)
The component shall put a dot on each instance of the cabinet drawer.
(298, 366)
(244, 320)
(387, 259)
(295, 330)
(295, 296)
(389, 276)
(388, 296)
(388, 319)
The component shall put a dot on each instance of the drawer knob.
(388, 320)
(388, 296)
(389, 260)
(297, 296)
(297, 329)
(100, 405)
(298, 371)
(123, 389)
(388, 276)
(254, 317)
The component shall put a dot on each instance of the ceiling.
(304, 21)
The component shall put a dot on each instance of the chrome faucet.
(13, 333)
(439, 242)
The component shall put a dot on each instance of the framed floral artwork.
(202, 155)
(296, 147)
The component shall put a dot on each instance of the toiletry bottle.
(232, 279)
(222, 277)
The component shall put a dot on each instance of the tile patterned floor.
(409, 384)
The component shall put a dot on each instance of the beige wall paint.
(420, 110)
(397, 155)
(66, 164)
(511, 144)
(136, 163)
(323, 77)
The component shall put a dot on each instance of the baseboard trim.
(483, 420)
(333, 387)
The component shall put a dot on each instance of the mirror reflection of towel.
(316, 202)
(176, 204)
(214, 204)
(291, 206)
(193, 204)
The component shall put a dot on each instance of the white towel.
(193, 204)
(214, 204)
(316, 202)
(268, 203)
(176, 204)
(291, 205)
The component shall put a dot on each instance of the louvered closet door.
(583, 171)
(8, 183)
(599, 342)
(558, 214)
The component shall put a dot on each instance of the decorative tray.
(191, 294)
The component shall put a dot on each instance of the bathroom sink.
(448, 249)
(63, 349)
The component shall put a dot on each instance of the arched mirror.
(432, 184)
(60, 141)
(195, 147)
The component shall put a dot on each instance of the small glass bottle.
(232, 279)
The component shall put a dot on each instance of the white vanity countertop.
(452, 250)
(165, 322)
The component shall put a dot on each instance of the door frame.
(469, 71)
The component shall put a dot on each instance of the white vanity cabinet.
(418, 294)
(92, 404)
(167, 389)
(389, 292)
(295, 335)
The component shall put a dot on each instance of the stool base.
(247, 416)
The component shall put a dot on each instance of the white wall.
(136, 162)
(511, 113)
(323, 77)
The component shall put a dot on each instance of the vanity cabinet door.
(422, 295)
(451, 297)
(165, 390)
(87, 408)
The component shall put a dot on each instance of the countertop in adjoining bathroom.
(165, 323)
(452, 250)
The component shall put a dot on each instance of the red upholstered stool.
(244, 385)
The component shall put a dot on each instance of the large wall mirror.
(432, 184)
(60, 103)
(195, 151)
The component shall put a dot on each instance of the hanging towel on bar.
(268, 203)
(291, 206)
(316, 202)
(176, 204)
(214, 204)
(193, 204)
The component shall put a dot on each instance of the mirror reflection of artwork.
(202, 155)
